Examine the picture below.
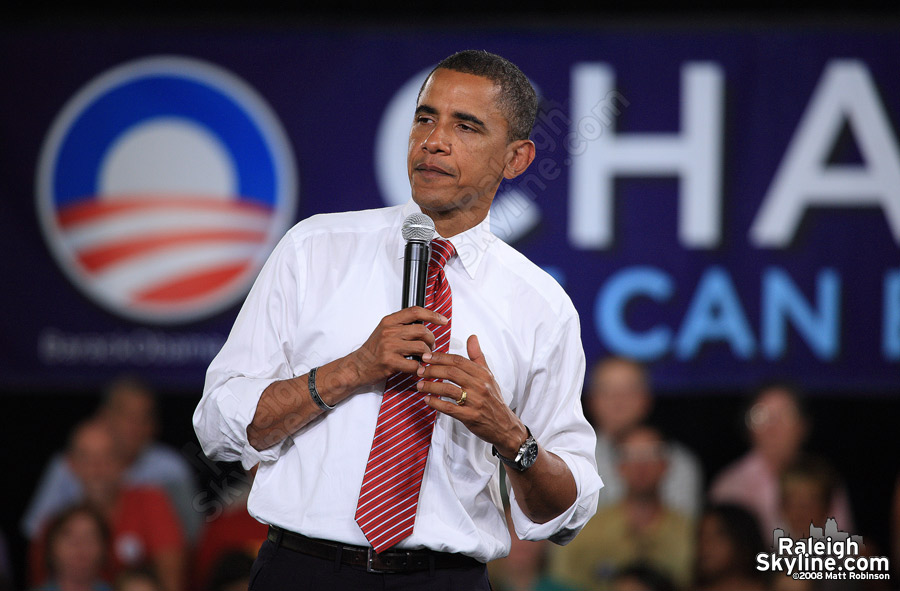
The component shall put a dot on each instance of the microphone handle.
(415, 277)
(415, 273)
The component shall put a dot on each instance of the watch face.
(529, 455)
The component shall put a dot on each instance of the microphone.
(418, 230)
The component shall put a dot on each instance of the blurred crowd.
(119, 510)
(660, 527)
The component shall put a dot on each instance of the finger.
(442, 406)
(416, 332)
(439, 358)
(450, 373)
(473, 348)
(417, 314)
(417, 348)
(405, 365)
(444, 389)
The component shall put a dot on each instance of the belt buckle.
(374, 564)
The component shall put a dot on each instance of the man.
(620, 399)
(143, 525)
(807, 491)
(778, 426)
(306, 387)
(129, 409)
(639, 529)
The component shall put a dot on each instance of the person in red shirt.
(144, 527)
(232, 529)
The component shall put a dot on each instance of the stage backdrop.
(721, 202)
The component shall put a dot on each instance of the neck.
(450, 222)
(75, 583)
(642, 509)
(775, 462)
(104, 501)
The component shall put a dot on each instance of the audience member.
(807, 492)
(129, 407)
(525, 567)
(639, 577)
(777, 426)
(619, 398)
(137, 579)
(637, 529)
(232, 530)
(231, 572)
(728, 540)
(142, 522)
(76, 551)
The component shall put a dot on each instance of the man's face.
(776, 426)
(715, 551)
(131, 415)
(96, 461)
(458, 147)
(803, 502)
(642, 462)
(618, 397)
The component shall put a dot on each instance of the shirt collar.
(470, 245)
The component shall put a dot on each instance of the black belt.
(389, 561)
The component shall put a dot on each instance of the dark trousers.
(279, 569)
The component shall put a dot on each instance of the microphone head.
(418, 227)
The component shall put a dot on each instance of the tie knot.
(441, 252)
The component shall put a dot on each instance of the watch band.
(311, 383)
(523, 459)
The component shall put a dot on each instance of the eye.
(465, 127)
(423, 119)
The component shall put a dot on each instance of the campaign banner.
(722, 203)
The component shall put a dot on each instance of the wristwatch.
(524, 460)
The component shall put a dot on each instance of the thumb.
(473, 348)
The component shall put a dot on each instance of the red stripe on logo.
(96, 259)
(193, 286)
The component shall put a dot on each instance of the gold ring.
(462, 399)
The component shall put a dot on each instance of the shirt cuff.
(563, 528)
(238, 406)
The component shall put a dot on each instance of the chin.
(428, 200)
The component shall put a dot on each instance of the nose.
(437, 141)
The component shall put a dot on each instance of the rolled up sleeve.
(256, 353)
(551, 407)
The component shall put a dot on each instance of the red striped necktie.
(389, 495)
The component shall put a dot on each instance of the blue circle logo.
(163, 186)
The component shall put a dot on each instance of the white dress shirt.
(325, 287)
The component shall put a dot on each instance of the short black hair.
(649, 576)
(816, 470)
(518, 101)
(743, 532)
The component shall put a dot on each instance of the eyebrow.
(456, 114)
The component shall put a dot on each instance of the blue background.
(329, 88)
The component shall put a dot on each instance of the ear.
(522, 155)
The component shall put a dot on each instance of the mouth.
(431, 170)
